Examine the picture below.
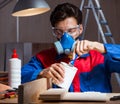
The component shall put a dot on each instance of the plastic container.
(14, 73)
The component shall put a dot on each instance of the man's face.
(68, 25)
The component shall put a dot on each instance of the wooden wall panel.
(7, 24)
(2, 57)
(37, 29)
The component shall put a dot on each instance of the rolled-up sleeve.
(31, 70)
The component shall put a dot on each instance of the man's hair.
(63, 11)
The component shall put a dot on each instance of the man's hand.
(55, 72)
(84, 46)
(4, 87)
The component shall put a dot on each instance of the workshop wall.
(37, 29)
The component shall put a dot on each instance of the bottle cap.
(14, 55)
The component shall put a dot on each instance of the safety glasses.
(57, 32)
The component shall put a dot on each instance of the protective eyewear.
(57, 32)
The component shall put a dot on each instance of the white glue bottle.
(14, 73)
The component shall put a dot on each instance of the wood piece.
(9, 101)
(29, 92)
(63, 95)
(53, 94)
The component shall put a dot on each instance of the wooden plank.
(2, 56)
(29, 92)
(9, 101)
(27, 52)
(52, 94)
(62, 95)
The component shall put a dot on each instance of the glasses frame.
(74, 27)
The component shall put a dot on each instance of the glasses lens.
(71, 31)
(58, 32)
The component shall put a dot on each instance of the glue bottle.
(14, 73)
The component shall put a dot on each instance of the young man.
(95, 61)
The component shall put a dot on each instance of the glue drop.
(14, 74)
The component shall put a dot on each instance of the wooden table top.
(15, 101)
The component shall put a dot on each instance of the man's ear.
(81, 28)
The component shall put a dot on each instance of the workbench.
(29, 93)
(15, 101)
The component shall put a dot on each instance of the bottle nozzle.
(14, 55)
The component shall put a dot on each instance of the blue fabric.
(113, 50)
(96, 80)
(31, 70)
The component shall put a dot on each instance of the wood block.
(52, 94)
(29, 92)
